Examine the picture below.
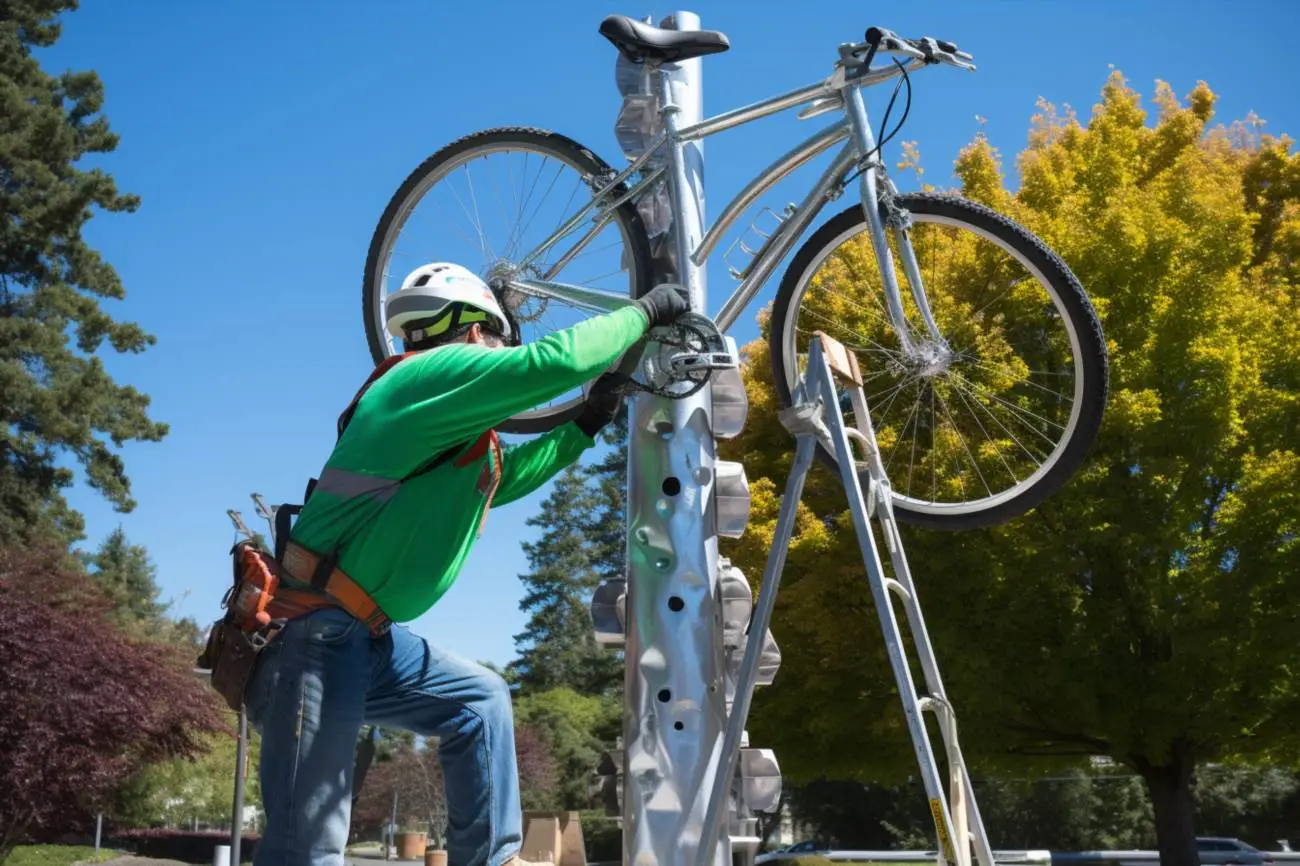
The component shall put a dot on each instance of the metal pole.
(391, 847)
(99, 827)
(237, 811)
(676, 712)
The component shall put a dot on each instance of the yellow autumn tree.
(1148, 611)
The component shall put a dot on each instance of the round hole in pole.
(677, 726)
(665, 696)
(675, 603)
(672, 486)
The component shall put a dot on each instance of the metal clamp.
(805, 419)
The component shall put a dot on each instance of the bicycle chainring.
(669, 365)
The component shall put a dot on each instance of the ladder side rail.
(820, 376)
(965, 811)
(758, 625)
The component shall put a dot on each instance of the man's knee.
(493, 694)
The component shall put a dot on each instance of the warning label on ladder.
(936, 810)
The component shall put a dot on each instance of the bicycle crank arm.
(685, 363)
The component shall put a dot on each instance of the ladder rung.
(897, 589)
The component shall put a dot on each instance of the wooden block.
(542, 838)
(843, 363)
(573, 850)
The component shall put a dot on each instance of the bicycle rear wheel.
(982, 435)
(484, 202)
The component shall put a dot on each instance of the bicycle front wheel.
(982, 429)
(487, 202)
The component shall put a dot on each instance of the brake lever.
(938, 51)
(892, 42)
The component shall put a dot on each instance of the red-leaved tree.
(82, 707)
(415, 776)
(538, 779)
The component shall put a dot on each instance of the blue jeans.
(320, 680)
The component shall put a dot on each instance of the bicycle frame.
(842, 90)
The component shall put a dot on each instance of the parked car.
(799, 849)
(1222, 851)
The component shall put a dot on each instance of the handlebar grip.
(950, 47)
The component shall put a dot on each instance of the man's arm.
(460, 390)
(529, 465)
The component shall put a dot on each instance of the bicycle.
(947, 343)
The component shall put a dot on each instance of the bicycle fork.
(872, 175)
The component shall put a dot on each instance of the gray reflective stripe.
(431, 304)
(341, 482)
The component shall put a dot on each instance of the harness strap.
(336, 588)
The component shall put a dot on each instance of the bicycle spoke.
(478, 222)
(961, 394)
(974, 463)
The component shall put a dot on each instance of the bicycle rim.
(997, 426)
(485, 202)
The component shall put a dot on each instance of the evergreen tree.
(55, 395)
(607, 530)
(557, 647)
(128, 577)
(607, 536)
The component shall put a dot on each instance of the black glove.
(603, 403)
(663, 304)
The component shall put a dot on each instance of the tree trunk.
(1170, 786)
(10, 837)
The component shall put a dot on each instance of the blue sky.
(265, 140)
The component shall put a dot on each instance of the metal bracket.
(806, 420)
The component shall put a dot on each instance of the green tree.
(1079, 810)
(1257, 804)
(55, 396)
(607, 530)
(128, 577)
(577, 728)
(174, 792)
(557, 647)
(1140, 613)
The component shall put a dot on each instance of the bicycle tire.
(1060, 282)
(563, 148)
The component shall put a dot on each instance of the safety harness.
(271, 588)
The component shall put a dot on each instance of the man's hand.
(602, 404)
(663, 304)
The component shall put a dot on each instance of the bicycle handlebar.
(926, 49)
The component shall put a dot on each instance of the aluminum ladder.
(956, 816)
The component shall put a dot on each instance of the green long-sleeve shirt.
(409, 553)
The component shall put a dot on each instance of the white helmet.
(441, 296)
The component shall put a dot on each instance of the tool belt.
(259, 604)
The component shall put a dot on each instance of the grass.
(57, 855)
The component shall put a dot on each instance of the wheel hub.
(525, 308)
(930, 358)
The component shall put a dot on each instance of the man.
(397, 508)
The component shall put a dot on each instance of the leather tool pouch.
(231, 655)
